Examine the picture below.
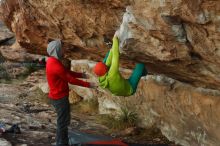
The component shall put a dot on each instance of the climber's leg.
(106, 56)
(138, 72)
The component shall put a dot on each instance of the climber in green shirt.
(110, 77)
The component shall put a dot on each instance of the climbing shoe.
(145, 72)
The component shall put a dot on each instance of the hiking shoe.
(14, 129)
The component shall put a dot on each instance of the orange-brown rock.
(177, 38)
(184, 114)
(5, 34)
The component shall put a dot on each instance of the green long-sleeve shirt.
(113, 79)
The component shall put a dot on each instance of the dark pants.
(62, 108)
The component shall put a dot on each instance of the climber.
(58, 78)
(110, 77)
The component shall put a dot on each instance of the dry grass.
(39, 95)
(127, 118)
(87, 106)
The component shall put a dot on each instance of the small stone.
(4, 142)
(128, 131)
(156, 139)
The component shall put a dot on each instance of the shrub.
(126, 118)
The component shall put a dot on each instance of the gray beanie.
(54, 49)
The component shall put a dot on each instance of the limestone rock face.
(80, 24)
(5, 34)
(185, 114)
(177, 38)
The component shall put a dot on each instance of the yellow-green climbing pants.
(136, 75)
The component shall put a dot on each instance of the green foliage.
(126, 118)
(29, 68)
(4, 76)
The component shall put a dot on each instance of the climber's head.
(54, 49)
(100, 69)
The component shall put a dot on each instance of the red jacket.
(58, 78)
